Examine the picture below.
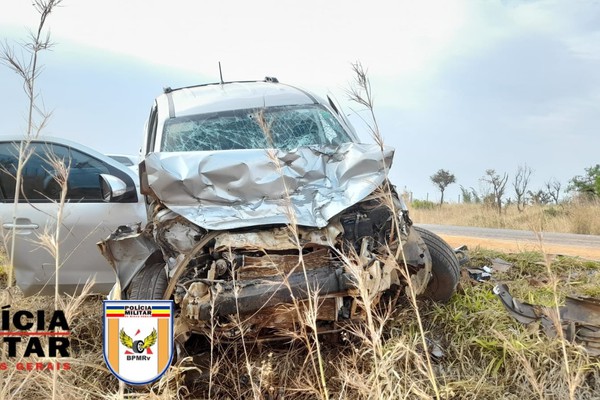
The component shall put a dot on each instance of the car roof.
(71, 144)
(125, 159)
(51, 139)
(232, 96)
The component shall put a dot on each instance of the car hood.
(229, 189)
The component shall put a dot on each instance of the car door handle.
(20, 226)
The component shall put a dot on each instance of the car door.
(86, 217)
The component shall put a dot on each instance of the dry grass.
(571, 217)
(486, 353)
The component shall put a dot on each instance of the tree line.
(586, 186)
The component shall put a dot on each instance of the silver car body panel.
(244, 188)
(83, 225)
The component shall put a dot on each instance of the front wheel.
(150, 283)
(445, 268)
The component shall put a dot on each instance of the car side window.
(8, 168)
(40, 172)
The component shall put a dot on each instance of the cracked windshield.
(285, 127)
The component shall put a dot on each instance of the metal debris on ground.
(462, 253)
(579, 318)
(435, 350)
(500, 265)
(480, 274)
(483, 274)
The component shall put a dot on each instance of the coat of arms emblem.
(138, 339)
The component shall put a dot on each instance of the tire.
(138, 346)
(148, 284)
(445, 269)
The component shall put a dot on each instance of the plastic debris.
(480, 274)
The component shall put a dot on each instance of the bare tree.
(520, 184)
(498, 184)
(553, 187)
(442, 179)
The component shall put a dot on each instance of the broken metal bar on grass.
(579, 317)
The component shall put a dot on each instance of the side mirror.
(112, 188)
(144, 186)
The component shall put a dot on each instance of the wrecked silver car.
(260, 197)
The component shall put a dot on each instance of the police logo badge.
(138, 339)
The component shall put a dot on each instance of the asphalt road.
(587, 246)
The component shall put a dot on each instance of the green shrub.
(423, 204)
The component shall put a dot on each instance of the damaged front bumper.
(127, 250)
(251, 296)
(264, 288)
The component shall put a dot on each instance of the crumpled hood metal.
(231, 189)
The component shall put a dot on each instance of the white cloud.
(304, 40)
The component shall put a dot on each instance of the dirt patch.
(513, 246)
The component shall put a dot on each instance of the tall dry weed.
(28, 69)
(361, 93)
(307, 311)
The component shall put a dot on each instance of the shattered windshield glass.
(285, 128)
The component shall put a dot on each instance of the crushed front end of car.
(240, 238)
(262, 203)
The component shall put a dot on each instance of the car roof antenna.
(221, 73)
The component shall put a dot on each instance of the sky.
(461, 85)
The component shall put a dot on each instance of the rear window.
(39, 173)
(285, 128)
(39, 182)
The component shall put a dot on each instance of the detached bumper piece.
(579, 318)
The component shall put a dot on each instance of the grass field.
(486, 354)
(569, 217)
